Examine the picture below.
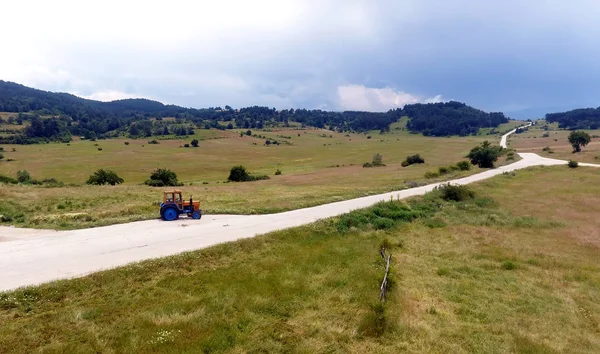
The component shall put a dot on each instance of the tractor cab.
(173, 205)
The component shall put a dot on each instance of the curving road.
(29, 257)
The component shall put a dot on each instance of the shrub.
(485, 155)
(463, 165)
(154, 141)
(278, 172)
(238, 174)
(126, 143)
(99, 149)
(1, 156)
(430, 174)
(442, 170)
(573, 164)
(194, 143)
(377, 161)
(23, 176)
(508, 265)
(8, 180)
(375, 323)
(457, 193)
(186, 145)
(547, 149)
(102, 177)
(163, 177)
(413, 159)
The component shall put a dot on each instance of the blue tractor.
(173, 206)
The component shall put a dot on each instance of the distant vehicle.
(173, 206)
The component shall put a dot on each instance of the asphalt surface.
(29, 257)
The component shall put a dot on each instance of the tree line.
(582, 118)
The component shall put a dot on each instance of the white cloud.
(361, 98)
(107, 96)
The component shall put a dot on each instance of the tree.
(238, 174)
(195, 143)
(377, 160)
(23, 176)
(485, 155)
(579, 138)
(102, 177)
(163, 177)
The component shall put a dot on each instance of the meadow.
(513, 269)
(553, 142)
(312, 162)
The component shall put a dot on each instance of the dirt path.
(29, 257)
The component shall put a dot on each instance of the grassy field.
(513, 270)
(311, 162)
(557, 140)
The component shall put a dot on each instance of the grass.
(557, 142)
(312, 166)
(512, 270)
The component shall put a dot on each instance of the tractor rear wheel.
(197, 215)
(170, 214)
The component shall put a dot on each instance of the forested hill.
(582, 118)
(57, 116)
(449, 118)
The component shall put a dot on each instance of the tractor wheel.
(170, 214)
(197, 215)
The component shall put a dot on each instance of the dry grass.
(557, 141)
(515, 270)
(311, 166)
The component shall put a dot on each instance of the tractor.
(173, 205)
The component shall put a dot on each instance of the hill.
(57, 116)
(581, 118)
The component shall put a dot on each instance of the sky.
(524, 58)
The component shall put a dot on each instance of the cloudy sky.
(520, 57)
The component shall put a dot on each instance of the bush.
(238, 174)
(186, 145)
(8, 180)
(1, 156)
(463, 165)
(102, 177)
(508, 265)
(153, 142)
(162, 177)
(430, 174)
(485, 155)
(278, 172)
(23, 176)
(573, 164)
(99, 149)
(194, 143)
(377, 161)
(442, 170)
(126, 143)
(457, 193)
(412, 160)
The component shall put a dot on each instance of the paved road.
(29, 257)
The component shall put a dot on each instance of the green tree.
(238, 174)
(163, 177)
(579, 138)
(378, 160)
(195, 143)
(102, 177)
(23, 176)
(485, 155)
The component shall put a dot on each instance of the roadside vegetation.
(506, 265)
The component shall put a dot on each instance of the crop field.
(312, 163)
(515, 269)
(535, 140)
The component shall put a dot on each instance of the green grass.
(513, 270)
(311, 168)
